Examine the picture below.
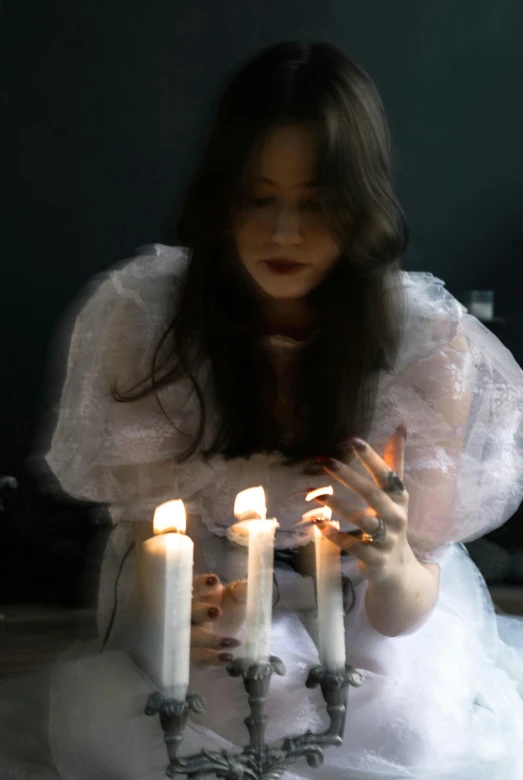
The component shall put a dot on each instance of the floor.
(34, 635)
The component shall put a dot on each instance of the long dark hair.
(358, 307)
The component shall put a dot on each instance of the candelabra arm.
(258, 761)
(173, 717)
(335, 690)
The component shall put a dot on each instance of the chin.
(284, 287)
(285, 291)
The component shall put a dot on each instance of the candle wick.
(307, 521)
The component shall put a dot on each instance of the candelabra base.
(257, 761)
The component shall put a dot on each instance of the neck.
(290, 317)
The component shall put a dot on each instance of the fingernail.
(213, 613)
(402, 429)
(358, 444)
(225, 657)
(212, 581)
(229, 642)
(322, 498)
(329, 463)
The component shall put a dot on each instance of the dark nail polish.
(212, 581)
(328, 463)
(229, 642)
(225, 657)
(402, 429)
(358, 444)
(213, 613)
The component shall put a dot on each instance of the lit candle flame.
(321, 513)
(170, 517)
(319, 492)
(250, 504)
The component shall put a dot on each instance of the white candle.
(168, 563)
(331, 618)
(251, 511)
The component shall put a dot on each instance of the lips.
(284, 261)
(284, 267)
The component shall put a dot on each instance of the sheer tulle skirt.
(444, 702)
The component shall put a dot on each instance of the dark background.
(105, 106)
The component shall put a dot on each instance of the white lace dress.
(443, 702)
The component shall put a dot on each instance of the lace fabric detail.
(458, 389)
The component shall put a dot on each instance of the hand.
(377, 561)
(220, 607)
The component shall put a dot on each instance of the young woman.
(283, 346)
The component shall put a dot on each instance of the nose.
(287, 226)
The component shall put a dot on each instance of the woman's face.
(281, 235)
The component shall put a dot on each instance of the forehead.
(288, 156)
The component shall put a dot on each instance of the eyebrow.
(269, 181)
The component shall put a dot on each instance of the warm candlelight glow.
(170, 517)
(319, 492)
(250, 504)
(320, 513)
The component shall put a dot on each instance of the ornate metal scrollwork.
(258, 761)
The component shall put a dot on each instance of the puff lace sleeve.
(460, 392)
(124, 454)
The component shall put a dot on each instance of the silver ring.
(394, 483)
(380, 534)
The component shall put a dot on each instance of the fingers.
(236, 592)
(379, 468)
(233, 608)
(202, 637)
(207, 588)
(347, 539)
(203, 612)
(375, 497)
(344, 510)
(394, 455)
(218, 612)
(341, 539)
(371, 557)
(202, 656)
(390, 505)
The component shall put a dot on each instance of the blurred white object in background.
(480, 303)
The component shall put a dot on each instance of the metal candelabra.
(257, 761)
